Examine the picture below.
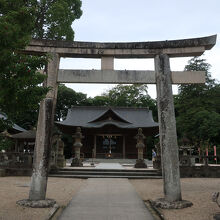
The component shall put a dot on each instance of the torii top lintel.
(173, 48)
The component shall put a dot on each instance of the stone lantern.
(140, 146)
(61, 162)
(76, 162)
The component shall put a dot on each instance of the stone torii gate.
(161, 51)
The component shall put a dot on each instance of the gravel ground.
(197, 190)
(17, 188)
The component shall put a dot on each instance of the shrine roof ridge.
(108, 107)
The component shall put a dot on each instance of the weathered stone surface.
(51, 81)
(127, 76)
(107, 63)
(140, 164)
(157, 159)
(174, 48)
(41, 151)
(157, 163)
(140, 146)
(43, 135)
(164, 204)
(57, 159)
(46, 203)
(77, 162)
(188, 77)
(167, 130)
(61, 162)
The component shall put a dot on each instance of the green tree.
(54, 19)
(131, 96)
(16, 24)
(20, 92)
(19, 78)
(67, 97)
(121, 95)
(101, 100)
(197, 107)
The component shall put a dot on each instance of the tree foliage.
(131, 96)
(67, 97)
(54, 19)
(198, 107)
(121, 95)
(19, 78)
(20, 92)
(16, 24)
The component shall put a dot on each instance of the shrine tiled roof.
(27, 135)
(14, 126)
(97, 117)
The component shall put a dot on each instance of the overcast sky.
(144, 20)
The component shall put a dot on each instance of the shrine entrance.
(109, 146)
(162, 76)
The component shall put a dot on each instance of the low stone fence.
(17, 171)
(200, 171)
(16, 160)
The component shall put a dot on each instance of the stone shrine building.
(109, 132)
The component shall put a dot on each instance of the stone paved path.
(109, 166)
(106, 199)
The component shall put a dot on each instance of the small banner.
(214, 152)
(207, 152)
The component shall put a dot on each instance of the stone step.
(94, 172)
(109, 170)
(104, 176)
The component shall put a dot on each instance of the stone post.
(140, 146)
(124, 147)
(43, 135)
(76, 162)
(157, 161)
(94, 149)
(29, 160)
(61, 162)
(167, 129)
(41, 151)
(53, 152)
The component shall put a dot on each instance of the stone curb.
(47, 203)
(52, 212)
(153, 210)
(164, 204)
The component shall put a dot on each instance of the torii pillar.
(43, 136)
(167, 129)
